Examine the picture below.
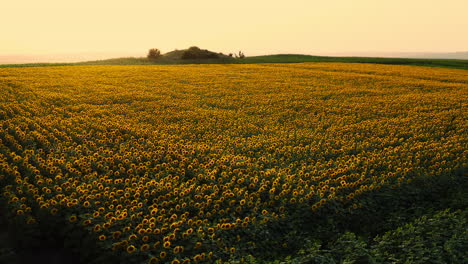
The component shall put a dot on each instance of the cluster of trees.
(194, 53)
(197, 53)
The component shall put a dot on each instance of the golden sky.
(253, 26)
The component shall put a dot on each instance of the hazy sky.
(253, 26)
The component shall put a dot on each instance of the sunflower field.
(198, 163)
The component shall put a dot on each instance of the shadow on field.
(47, 255)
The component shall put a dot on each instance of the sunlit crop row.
(171, 163)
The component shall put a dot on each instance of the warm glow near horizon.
(260, 27)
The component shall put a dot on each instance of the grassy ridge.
(291, 58)
(280, 58)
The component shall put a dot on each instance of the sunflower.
(167, 244)
(144, 247)
(116, 234)
(153, 260)
(131, 249)
(176, 250)
(156, 244)
(197, 258)
(72, 218)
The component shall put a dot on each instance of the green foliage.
(439, 238)
(350, 249)
(435, 238)
(194, 53)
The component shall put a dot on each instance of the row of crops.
(184, 164)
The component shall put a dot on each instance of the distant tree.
(241, 55)
(154, 54)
